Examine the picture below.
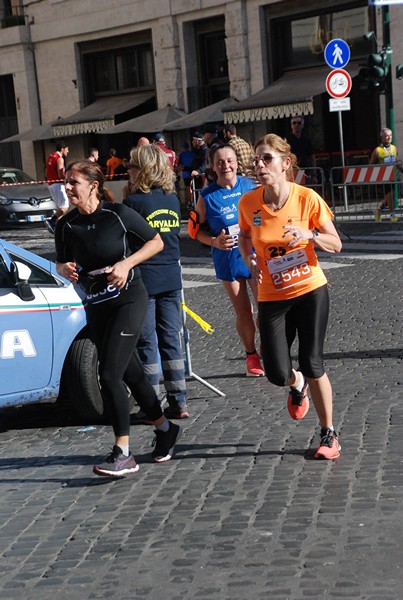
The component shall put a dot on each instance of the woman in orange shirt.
(280, 224)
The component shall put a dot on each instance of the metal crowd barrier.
(358, 190)
(312, 177)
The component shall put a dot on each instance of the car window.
(5, 278)
(14, 176)
(38, 276)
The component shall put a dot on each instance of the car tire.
(80, 383)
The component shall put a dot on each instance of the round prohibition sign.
(338, 83)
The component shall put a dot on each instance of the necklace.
(275, 207)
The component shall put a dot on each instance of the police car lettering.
(17, 341)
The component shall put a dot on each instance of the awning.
(40, 132)
(150, 122)
(289, 96)
(100, 115)
(208, 114)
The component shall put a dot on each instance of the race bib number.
(234, 231)
(289, 270)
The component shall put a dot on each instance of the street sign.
(338, 83)
(337, 53)
(336, 104)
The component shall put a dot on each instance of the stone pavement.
(242, 511)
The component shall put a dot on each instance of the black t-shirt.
(101, 239)
(161, 273)
(302, 148)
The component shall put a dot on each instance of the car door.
(26, 337)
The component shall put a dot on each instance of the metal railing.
(358, 190)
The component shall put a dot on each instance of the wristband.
(315, 234)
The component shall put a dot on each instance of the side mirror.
(21, 275)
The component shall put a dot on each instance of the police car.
(46, 350)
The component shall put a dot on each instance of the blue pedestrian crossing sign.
(337, 53)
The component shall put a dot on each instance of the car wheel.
(80, 382)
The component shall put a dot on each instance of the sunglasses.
(296, 122)
(266, 158)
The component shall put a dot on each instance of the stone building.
(72, 69)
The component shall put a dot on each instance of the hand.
(68, 270)
(224, 241)
(254, 268)
(298, 235)
(117, 275)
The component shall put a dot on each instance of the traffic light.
(399, 71)
(377, 68)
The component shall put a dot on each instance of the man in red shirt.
(159, 140)
(55, 178)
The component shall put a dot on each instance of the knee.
(278, 377)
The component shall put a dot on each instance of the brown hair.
(91, 171)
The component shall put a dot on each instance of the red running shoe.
(298, 402)
(253, 366)
(329, 447)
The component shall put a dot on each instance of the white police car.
(45, 347)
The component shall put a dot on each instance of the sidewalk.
(242, 512)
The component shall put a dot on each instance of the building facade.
(71, 69)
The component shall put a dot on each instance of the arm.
(223, 241)
(117, 275)
(327, 239)
(374, 157)
(248, 255)
(60, 167)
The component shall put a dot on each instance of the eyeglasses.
(266, 158)
(296, 122)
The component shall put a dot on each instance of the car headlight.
(5, 201)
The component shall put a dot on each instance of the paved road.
(243, 511)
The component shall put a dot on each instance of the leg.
(245, 325)
(148, 348)
(168, 324)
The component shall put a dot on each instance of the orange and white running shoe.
(298, 402)
(253, 366)
(329, 447)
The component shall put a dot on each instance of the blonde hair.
(154, 169)
(281, 146)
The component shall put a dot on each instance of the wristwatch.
(315, 234)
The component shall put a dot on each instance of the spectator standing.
(385, 154)
(111, 164)
(199, 165)
(159, 140)
(153, 196)
(121, 171)
(243, 150)
(184, 169)
(210, 136)
(300, 144)
(142, 141)
(93, 155)
(54, 173)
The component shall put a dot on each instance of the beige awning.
(100, 115)
(150, 122)
(209, 114)
(290, 95)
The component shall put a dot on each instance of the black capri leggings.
(116, 326)
(278, 323)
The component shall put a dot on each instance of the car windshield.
(14, 176)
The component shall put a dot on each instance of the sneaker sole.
(168, 457)
(248, 374)
(105, 473)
